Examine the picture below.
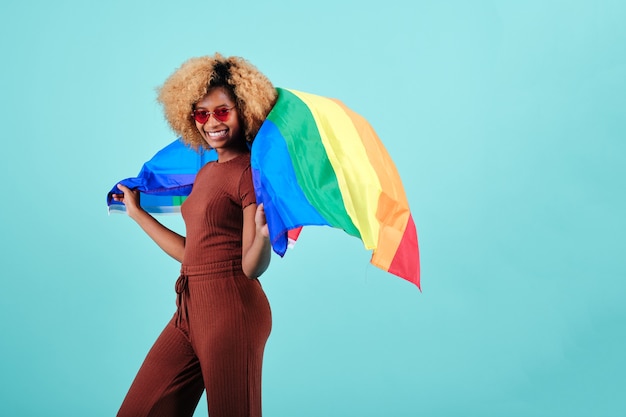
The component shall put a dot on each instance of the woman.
(215, 340)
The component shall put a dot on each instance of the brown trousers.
(215, 341)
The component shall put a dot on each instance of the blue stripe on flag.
(276, 186)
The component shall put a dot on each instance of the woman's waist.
(212, 268)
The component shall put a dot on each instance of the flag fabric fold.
(166, 179)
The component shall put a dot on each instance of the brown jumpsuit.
(215, 340)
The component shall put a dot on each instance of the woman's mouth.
(218, 134)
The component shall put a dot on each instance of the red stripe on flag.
(406, 261)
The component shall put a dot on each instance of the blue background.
(506, 121)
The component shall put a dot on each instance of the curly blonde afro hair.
(252, 91)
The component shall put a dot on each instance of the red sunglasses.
(221, 114)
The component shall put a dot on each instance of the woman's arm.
(256, 250)
(171, 242)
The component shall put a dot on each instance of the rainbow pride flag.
(316, 162)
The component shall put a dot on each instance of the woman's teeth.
(217, 134)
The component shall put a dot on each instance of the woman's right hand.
(171, 242)
(130, 198)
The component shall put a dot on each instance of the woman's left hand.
(256, 249)
(261, 222)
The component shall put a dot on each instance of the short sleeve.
(246, 188)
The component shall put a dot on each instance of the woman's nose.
(212, 120)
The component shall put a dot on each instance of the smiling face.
(226, 137)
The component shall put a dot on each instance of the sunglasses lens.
(221, 114)
(201, 116)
